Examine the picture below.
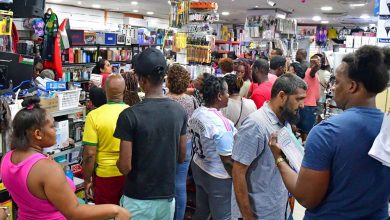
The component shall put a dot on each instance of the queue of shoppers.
(137, 158)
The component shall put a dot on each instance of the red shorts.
(108, 190)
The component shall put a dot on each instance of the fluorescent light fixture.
(96, 6)
(271, 3)
(135, 11)
(134, 3)
(327, 8)
(324, 22)
(365, 16)
(357, 5)
(225, 13)
(316, 18)
(79, 2)
(150, 13)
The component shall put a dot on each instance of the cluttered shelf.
(68, 111)
(227, 42)
(104, 45)
(93, 63)
(77, 147)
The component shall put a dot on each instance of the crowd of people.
(223, 130)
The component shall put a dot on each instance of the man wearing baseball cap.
(153, 140)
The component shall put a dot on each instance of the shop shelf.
(68, 111)
(227, 42)
(223, 51)
(77, 147)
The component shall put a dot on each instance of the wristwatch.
(279, 160)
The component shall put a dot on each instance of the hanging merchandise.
(56, 62)
(343, 33)
(202, 17)
(6, 22)
(332, 33)
(64, 33)
(180, 40)
(179, 13)
(198, 50)
(51, 30)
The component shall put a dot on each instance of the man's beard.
(290, 116)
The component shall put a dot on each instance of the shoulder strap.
(239, 117)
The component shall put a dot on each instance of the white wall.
(87, 19)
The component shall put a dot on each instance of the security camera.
(271, 3)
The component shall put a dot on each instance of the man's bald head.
(115, 87)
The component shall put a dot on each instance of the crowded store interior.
(195, 109)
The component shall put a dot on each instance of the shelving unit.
(69, 112)
(93, 63)
(77, 147)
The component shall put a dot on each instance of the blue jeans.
(181, 184)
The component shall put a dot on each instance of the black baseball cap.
(149, 61)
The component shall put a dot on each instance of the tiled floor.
(299, 211)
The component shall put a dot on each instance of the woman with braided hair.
(212, 145)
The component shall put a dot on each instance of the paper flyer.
(291, 147)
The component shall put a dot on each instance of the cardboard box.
(50, 104)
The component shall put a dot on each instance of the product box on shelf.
(62, 136)
(100, 38)
(50, 104)
(110, 38)
(90, 38)
(77, 37)
(121, 39)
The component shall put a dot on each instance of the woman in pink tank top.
(37, 184)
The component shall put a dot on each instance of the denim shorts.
(307, 118)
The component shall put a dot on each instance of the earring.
(39, 138)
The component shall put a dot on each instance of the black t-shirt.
(154, 126)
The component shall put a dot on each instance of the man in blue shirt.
(338, 179)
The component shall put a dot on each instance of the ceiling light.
(271, 3)
(150, 13)
(256, 6)
(357, 5)
(324, 22)
(79, 2)
(134, 3)
(327, 8)
(316, 18)
(96, 6)
(365, 16)
(169, 2)
(135, 11)
(225, 13)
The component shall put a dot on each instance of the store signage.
(383, 28)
